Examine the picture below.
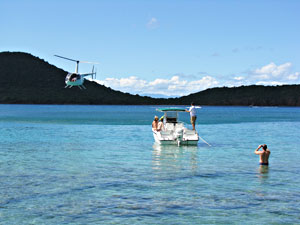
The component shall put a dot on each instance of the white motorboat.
(174, 131)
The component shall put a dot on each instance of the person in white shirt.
(193, 114)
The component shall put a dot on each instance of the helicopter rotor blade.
(89, 62)
(67, 58)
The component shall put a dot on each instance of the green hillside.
(26, 79)
(285, 95)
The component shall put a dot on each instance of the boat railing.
(169, 126)
(179, 125)
(189, 132)
(166, 132)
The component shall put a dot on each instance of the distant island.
(27, 79)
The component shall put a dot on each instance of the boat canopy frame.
(171, 114)
(171, 109)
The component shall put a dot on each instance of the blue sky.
(165, 47)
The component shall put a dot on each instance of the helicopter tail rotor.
(93, 72)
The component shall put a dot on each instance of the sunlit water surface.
(99, 165)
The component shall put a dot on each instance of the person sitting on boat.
(155, 123)
(193, 114)
(160, 126)
(263, 155)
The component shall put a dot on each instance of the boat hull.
(162, 142)
(174, 141)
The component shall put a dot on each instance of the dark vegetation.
(26, 79)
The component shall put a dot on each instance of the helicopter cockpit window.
(73, 77)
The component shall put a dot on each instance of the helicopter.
(76, 79)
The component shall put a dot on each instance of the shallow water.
(99, 165)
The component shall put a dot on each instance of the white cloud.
(270, 74)
(294, 76)
(272, 71)
(152, 23)
(170, 87)
(180, 84)
(268, 83)
(124, 84)
(239, 78)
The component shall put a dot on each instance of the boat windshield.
(171, 117)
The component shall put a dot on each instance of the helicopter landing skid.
(80, 86)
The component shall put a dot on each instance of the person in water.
(160, 126)
(263, 154)
(155, 123)
(193, 114)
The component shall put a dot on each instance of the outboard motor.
(179, 135)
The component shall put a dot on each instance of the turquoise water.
(99, 165)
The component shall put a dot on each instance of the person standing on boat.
(263, 155)
(155, 123)
(193, 114)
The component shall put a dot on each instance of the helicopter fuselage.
(74, 79)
